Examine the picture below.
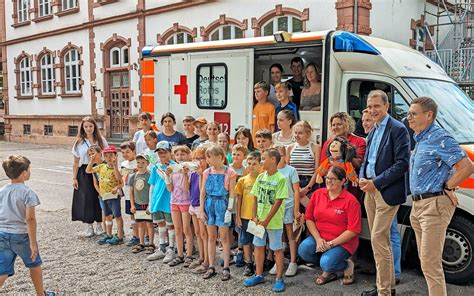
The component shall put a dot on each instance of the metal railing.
(456, 63)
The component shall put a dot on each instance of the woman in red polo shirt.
(333, 219)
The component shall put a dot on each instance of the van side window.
(357, 101)
(211, 89)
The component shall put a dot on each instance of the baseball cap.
(163, 145)
(110, 149)
(142, 155)
(200, 120)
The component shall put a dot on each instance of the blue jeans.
(396, 250)
(11, 246)
(333, 260)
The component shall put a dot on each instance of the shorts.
(289, 215)
(111, 207)
(162, 217)
(179, 208)
(245, 238)
(215, 208)
(127, 207)
(275, 238)
(11, 246)
(139, 207)
(195, 211)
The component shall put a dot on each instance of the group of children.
(203, 191)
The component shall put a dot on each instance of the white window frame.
(119, 57)
(44, 7)
(221, 32)
(175, 38)
(47, 81)
(25, 77)
(68, 4)
(71, 82)
(123, 55)
(275, 24)
(23, 10)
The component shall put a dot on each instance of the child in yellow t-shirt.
(245, 203)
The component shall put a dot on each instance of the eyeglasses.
(332, 179)
(413, 114)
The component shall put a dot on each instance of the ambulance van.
(215, 80)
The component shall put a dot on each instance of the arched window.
(124, 58)
(47, 75)
(115, 57)
(180, 38)
(25, 77)
(289, 24)
(72, 72)
(226, 33)
(23, 8)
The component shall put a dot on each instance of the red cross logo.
(181, 89)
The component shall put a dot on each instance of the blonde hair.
(305, 125)
(215, 150)
(200, 151)
(346, 119)
(183, 148)
(241, 148)
(280, 149)
(214, 123)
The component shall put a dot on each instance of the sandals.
(200, 269)
(321, 279)
(348, 278)
(225, 274)
(176, 261)
(150, 249)
(195, 263)
(211, 271)
(138, 248)
(187, 261)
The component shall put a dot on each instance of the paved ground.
(74, 265)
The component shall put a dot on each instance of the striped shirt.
(302, 159)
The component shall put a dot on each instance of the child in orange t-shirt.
(263, 111)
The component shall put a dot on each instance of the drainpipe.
(355, 15)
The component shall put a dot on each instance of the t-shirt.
(243, 188)
(151, 157)
(14, 199)
(198, 142)
(189, 141)
(140, 143)
(180, 194)
(292, 177)
(268, 189)
(141, 188)
(107, 181)
(333, 217)
(296, 88)
(194, 191)
(240, 172)
(176, 139)
(79, 150)
(263, 117)
(127, 168)
(161, 197)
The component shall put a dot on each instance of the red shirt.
(333, 217)
(357, 142)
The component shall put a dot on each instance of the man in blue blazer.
(383, 179)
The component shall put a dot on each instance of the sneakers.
(249, 269)
(159, 254)
(239, 259)
(255, 280)
(268, 264)
(49, 293)
(89, 232)
(170, 255)
(292, 270)
(273, 271)
(133, 241)
(98, 229)
(279, 285)
(114, 241)
(104, 240)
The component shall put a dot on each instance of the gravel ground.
(78, 266)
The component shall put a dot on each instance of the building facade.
(66, 59)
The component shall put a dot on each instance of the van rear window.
(211, 86)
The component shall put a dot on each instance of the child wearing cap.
(160, 205)
(139, 199)
(200, 125)
(110, 182)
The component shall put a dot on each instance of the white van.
(215, 79)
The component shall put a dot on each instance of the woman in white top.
(144, 122)
(276, 72)
(304, 157)
(85, 201)
(285, 121)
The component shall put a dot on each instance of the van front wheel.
(458, 256)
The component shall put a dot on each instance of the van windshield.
(455, 109)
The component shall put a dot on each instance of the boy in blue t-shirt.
(18, 223)
(160, 204)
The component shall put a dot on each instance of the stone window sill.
(24, 97)
(73, 95)
(42, 18)
(22, 24)
(68, 12)
(53, 96)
